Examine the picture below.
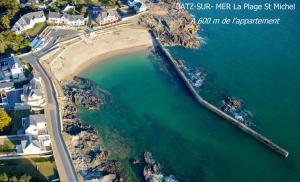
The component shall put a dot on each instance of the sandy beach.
(81, 55)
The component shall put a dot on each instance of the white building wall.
(32, 149)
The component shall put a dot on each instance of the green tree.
(12, 43)
(4, 120)
(3, 47)
(32, 6)
(83, 10)
(14, 179)
(28, 67)
(5, 22)
(25, 178)
(108, 2)
(72, 11)
(3, 177)
(54, 8)
(11, 7)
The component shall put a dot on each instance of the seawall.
(216, 110)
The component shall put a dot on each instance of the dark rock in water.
(173, 26)
(136, 161)
(81, 92)
(152, 170)
(83, 98)
(85, 81)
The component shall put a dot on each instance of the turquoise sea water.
(151, 110)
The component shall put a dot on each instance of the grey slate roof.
(75, 17)
(54, 15)
(36, 118)
(66, 16)
(25, 19)
(106, 13)
(6, 84)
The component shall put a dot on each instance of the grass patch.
(40, 169)
(35, 30)
(8, 146)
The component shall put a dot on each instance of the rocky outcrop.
(81, 93)
(89, 161)
(172, 25)
(152, 170)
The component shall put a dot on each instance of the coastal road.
(62, 157)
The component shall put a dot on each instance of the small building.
(17, 71)
(10, 68)
(34, 124)
(6, 86)
(67, 8)
(33, 94)
(66, 19)
(34, 145)
(107, 17)
(75, 20)
(28, 21)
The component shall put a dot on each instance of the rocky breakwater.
(152, 170)
(171, 24)
(89, 160)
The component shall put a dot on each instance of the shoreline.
(77, 57)
(101, 58)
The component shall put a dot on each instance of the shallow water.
(151, 110)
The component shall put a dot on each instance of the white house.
(34, 145)
(66, 19)
(17, 71)
(11, 68)
(28, 21)
(33, 94)
(35, 124)
(27, 147)
(107, 17)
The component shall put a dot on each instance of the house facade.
(66, 19)
(33, 94)
(34, 145)
(11, 69)
(28, 21)
(17, 71)
(35, 124)
(107, 17)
